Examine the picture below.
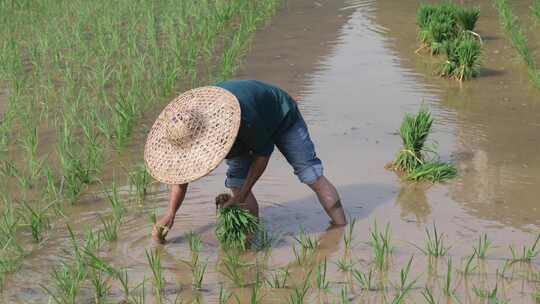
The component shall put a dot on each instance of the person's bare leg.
(329, 199)
(250, 203)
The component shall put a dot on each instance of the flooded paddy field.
(353, 69)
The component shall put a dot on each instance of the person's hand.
(161, 228)
(233, 200)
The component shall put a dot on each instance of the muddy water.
(353, 69)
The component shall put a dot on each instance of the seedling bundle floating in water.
(234, 226)
(448, 28)
(412, 160)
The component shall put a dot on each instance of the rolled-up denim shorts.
(295, 144)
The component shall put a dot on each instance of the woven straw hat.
(192, 135)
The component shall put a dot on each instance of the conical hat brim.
(215, 127)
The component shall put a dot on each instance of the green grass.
(234, 226)
(516, 35)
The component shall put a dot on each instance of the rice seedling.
(100, 285)
(118, 208)
(468, 17)
(463, 54)
(110, 228)
(535, 8)
(435, 246)
(234, 226)
(67, 280)
(427, 294)
(140, 180)
(278, 279)
(344, 295)
(100, 265)
(154, 261)
(527, 254)
(434, 171)
(468, 265)
(348, 236)
(37, 219)
(517, 37)
(300, 292)
(321, 279)
(264, 240)
(365, 280)
(141, 297)
(443, 22)
(306, 242)
(234, 268)
(502, 272)
(405, 285)
(483, 246)
(198, 271)
(195, 245)
(448, 289)
(489, 295)
(536, 296)
(437, 24)
(414, 132)
(345, 264)
(224, 296)
(381, 245)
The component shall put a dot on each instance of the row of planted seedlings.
(75, 93)
(306, 278)
(516, 34)
(448, 29)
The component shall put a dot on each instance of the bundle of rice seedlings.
(467, 17)
(414, 132)
(439, 24)
(411, 160)
(234, 226)
(435, 171)
(464, 56)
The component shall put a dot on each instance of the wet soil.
(353, 69)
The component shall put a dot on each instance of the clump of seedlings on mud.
(234, 225)
(413, 160)
(448, 29)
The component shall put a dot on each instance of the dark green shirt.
(266, 112)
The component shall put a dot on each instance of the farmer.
(240, 121)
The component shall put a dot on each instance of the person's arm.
(164, 224)
(258, 165)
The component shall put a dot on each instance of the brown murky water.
(352, 66)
